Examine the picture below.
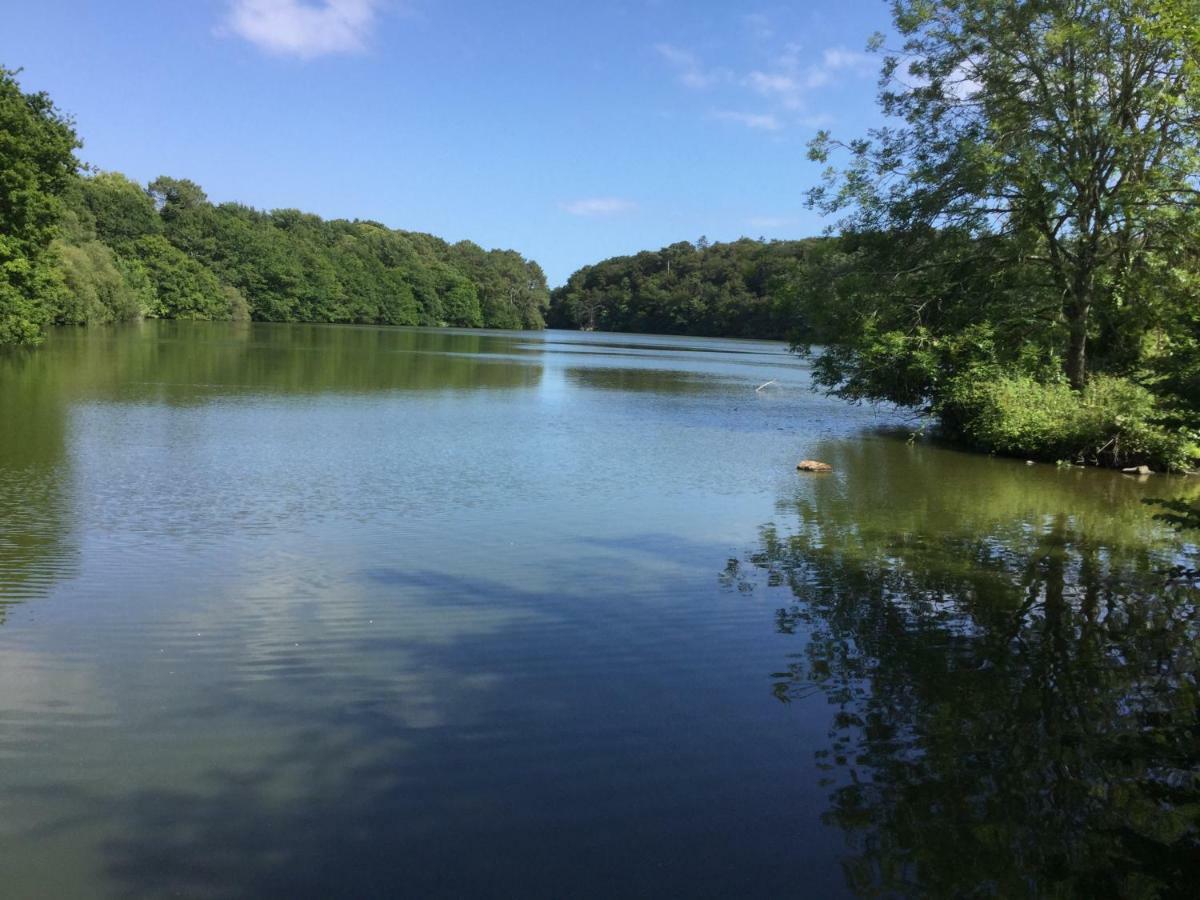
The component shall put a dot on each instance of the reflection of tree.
(189, 363)
(635, 380)
(193, 362)
(1016, 690)
(33, 478)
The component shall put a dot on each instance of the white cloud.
(599, 206)
(787, 89)
(836, 59)
(689, 67)
(761, 121)
(790, 81)
(303, 28)
(766, 83)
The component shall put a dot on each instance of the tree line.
(736, 289)
(86, 247)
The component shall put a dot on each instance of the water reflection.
(188, 362)
(1015, 681)
(641, 381)
(146, 373)
(35, 544)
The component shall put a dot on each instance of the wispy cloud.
(760, 121)
(787, 89)
(303, 28)
(599, 206)
(786, 81)
(689, 67)
(790, 81)
(839, 59)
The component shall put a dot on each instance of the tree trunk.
(1076, 362)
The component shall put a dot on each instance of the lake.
(314, 611)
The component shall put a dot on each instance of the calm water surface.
(328, 611)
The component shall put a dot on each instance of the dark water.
(302, 611)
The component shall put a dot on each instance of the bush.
(97, 290)
(1112, 422)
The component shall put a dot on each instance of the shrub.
(1112, 422)
(97, 290)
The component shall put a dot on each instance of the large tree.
(1059, 135)
(37, 161)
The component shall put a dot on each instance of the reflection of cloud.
(296, 685)
(369, 638)
(42, 689)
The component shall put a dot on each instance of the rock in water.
(811, 465)
(1138, 470)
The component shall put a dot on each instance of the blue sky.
(568, 131)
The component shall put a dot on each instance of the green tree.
(736, 289)
(123, 211)
(37, 161)
(97, 287)
(184, 289)
(1067, 128)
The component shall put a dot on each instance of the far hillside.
(736, 289)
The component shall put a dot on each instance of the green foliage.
(121, 210)
(123, 252)
(1030, 219)
(183, 288)
(460, 301)
(293, 266)
(512, 291)
(1067, 128)
(734, 290)
(37, 161)
(901, 315)
(1111, 422)
(99, 288)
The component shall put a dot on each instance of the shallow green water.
(329, 611)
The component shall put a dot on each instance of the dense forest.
(85, 247)
(737, 289)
